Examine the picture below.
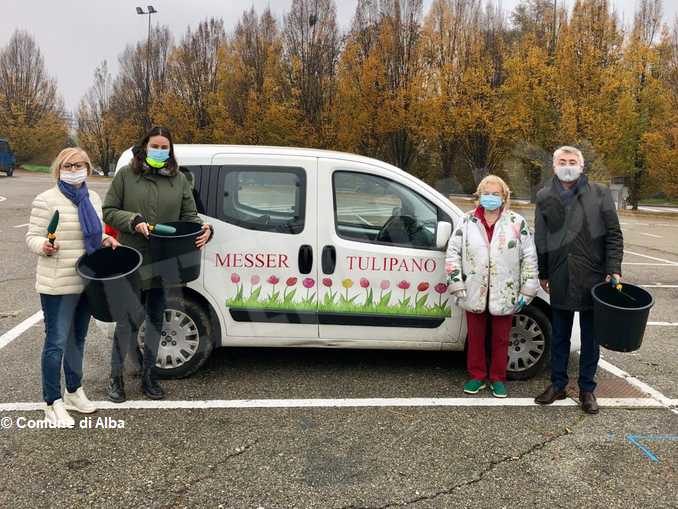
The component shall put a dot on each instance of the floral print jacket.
(507, 266)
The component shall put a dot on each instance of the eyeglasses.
(75, 166)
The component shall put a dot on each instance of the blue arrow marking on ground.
(634, 439)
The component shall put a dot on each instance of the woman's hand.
(50, 249)
(110, 242)
(143, 229)
(460, 294)
(204, 237)
(522, 302)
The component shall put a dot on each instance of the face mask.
(158, 154)
(568, 173)
(73, 177)
(490, 201)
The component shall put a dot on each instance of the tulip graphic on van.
(273, 297)
(289, 297)
(323, 296)
(385, 298)
(308, 283)
(404, 286)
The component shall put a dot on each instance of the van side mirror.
(443, 234)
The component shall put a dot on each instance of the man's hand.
(50, 249)
(110, 242)
(545, 285)
(614, 279)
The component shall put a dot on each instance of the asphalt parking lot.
(352, 429)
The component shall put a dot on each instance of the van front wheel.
(529, 343)
(185, 339)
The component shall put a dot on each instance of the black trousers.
(126, 331)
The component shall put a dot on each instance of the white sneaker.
(56, 414)
(78, 401)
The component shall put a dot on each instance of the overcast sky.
(76, 35)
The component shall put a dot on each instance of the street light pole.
(147, 99)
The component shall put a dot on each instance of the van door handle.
(305, 259)
(329, 259)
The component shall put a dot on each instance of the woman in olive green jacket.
(150, 190)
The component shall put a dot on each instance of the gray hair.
(568, 150)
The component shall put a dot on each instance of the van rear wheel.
(185, 339)
(529, 343)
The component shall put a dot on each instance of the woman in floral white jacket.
(491, 267)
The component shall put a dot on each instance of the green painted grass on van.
(436, 311)
(38, 168)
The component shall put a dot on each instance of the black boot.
(116, 390)
(150, 386)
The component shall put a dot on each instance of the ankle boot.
(116, 390)
(150, 386)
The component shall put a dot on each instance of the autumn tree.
(129, 105)
(378, 109)
(191, 83)
(310, 51)
(95, 124)
(31, 111)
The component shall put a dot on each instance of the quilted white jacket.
(56, 274)
(507, 265)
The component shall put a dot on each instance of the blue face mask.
(490, 201)
(158, 154)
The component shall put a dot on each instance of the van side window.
(265, 198)
(194, 175)
(373, 209)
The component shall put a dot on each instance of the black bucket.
(620, 318)
(175, 259)
(111, 282)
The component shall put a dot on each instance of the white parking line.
(663, 324)
(338, 403)
(17, 331)
(650, 264)
(645, 388)
(670, 262)
(659, 285)
(20, 225)
(2, 198)
(651, 235)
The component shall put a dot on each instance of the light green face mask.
(154, 163)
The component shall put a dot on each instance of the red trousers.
(476, 359)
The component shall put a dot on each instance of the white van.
(314, 248)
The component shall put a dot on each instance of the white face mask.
(568, 173)
(73, 177)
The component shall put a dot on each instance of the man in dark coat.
(579, 244)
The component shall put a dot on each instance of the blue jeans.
(561, 324)
(66, 322)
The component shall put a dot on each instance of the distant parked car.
(7, 159)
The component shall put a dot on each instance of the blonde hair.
(493, 179)
(66, 155)
(568, 150)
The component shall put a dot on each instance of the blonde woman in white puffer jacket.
(64, 306)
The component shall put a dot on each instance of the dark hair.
(139, 150)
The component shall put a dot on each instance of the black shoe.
(116, 390)
(550, 395)
(150, 386)
(588, 402)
